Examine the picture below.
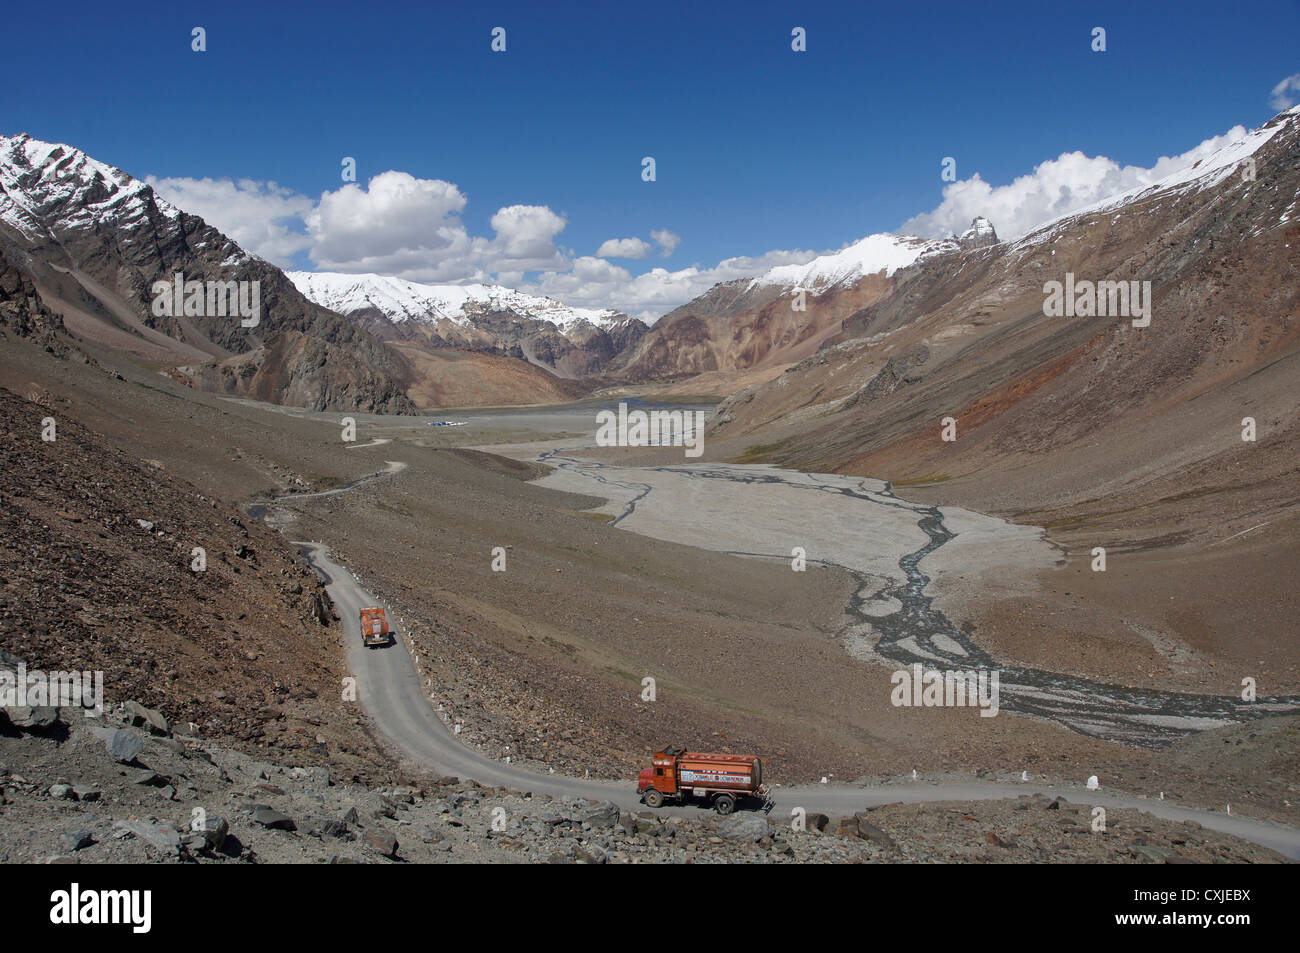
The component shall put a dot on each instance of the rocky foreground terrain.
(98, 574)
(125, 788)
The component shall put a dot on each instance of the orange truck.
(719, 779)
(374, 628)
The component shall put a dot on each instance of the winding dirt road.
(390, 691)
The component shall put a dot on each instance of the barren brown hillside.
(1104, 433)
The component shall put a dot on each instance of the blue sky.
(759, 149)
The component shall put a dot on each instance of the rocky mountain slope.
(101, 576)
(568, 342)
(1110, 435)
(787, 313)
(93, 240)
(966, 335)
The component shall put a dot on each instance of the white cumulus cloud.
(525, 238)
(1056, 187)
(666, 240)
(396, 224)
(1286, 93)
(596, 283)
(257, 215)
(623, 248)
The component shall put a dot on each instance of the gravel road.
(389, 689)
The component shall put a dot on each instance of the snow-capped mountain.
(1080, 408)
(739, 325)
(400, 300)
(93, 240)
(981, 234)
(568, 342)
(48, 187)
(876, 254)
(871, 255)
(746, 323)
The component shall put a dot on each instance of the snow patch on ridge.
(40, 178)
(43, 184)
(869, 256)
(401, 300)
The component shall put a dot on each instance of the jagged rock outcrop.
(981, 234)
(24, 315)
(893, 375)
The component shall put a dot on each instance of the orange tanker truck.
(720, 779)
(374, 628)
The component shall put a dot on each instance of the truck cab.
(660, 777)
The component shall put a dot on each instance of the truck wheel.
(724, 804)
(654, 797)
